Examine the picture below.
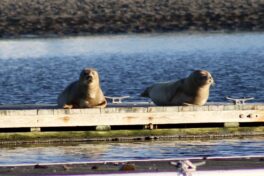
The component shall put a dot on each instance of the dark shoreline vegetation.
(81, 17)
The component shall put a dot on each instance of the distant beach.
(78, 17)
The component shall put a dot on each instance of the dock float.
(129, 121)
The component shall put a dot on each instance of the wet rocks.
(74, 17)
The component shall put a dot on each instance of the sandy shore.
(76, 17)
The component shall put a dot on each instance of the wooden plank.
(113, 117)
(17, 121)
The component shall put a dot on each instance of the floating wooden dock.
(129, 121)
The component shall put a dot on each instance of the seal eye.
(203, 77)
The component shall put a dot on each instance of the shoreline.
(53, 36)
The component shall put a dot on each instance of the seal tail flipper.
(145, 93)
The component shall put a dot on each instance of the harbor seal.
(83, 93)
(193, 90)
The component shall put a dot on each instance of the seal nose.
(88, 77)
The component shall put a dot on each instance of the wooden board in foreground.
(131, 116)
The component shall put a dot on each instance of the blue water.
(130, 151)
(36, 70)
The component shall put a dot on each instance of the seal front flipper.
(187, 104)
(101, 105)
(177, 89)
(64, 100)
(87, 104)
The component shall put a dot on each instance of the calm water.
(36, 70)
(130, 151)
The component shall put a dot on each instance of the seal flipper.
(178, 88)
(101, 105)
(67, 106)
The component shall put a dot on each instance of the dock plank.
(123, 116)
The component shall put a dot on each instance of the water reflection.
(130, 151)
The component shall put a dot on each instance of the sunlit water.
(130, 151)
(36, 70)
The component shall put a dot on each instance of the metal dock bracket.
(116, 100)
(239, 101)
(186, 167)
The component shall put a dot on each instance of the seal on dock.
(83, 93)
(193, 90)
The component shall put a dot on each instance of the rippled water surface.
(130, 151)
(36, 70)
